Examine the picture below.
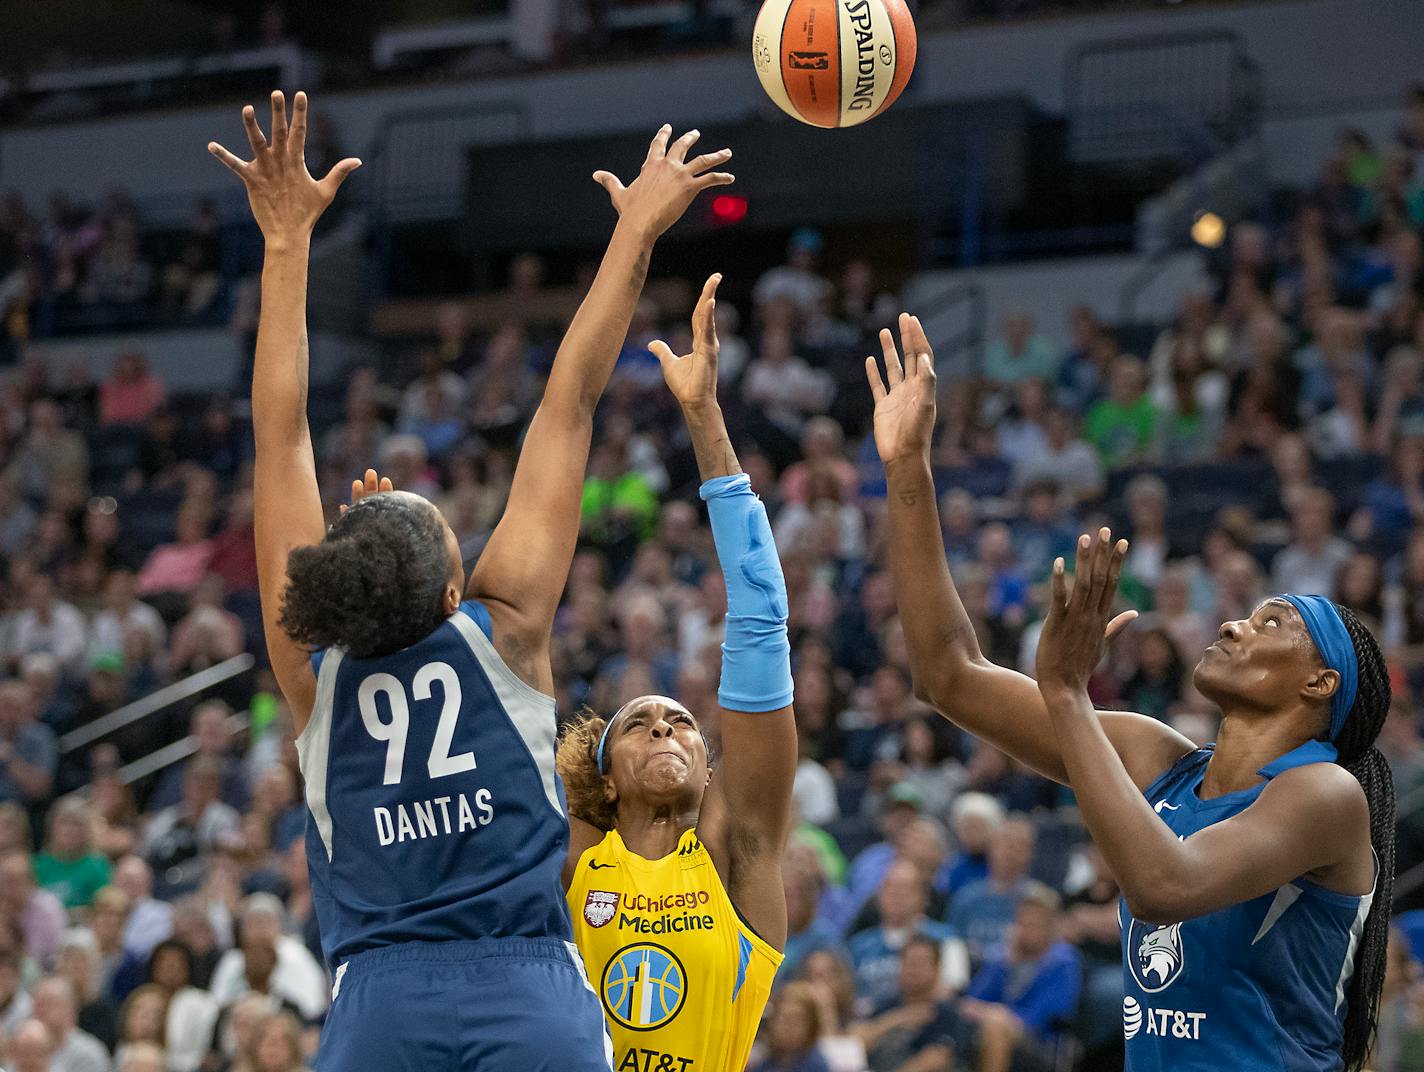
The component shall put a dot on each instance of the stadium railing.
(155, 702)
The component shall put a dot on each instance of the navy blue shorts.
(494, 1005)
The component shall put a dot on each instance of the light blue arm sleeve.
(756, 652)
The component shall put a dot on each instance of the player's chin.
(665, 773)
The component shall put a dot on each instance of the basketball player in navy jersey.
(436, 830)
(1256, 872)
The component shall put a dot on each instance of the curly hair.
(374, 585)
(1358, 755)
(577, 764)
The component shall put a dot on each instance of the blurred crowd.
(156, 915)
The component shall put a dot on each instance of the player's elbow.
(1155, 900)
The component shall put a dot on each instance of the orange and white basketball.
(834, 63)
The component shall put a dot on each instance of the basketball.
(834, 63)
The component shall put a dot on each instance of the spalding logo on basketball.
(834, 63)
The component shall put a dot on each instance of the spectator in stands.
(174, 570)
(295, 975)
(143, 1018)
(975, 819)
(193, 926)
(78, 962)
(16, 1005)
(405, 458)
(807, 930)
(68, 866)
(793, 1035)
(1019, 353)
(132, 393)
(46, 624)
(28, 752)
(913, 1028)
(1146, 498)
(32, 1047)
(217, 444)
(785, 390)
(191, 281)
(1155, 687)
(140, 1057)
(983, 911)
(122, 612)
(191, 1013)
(1066, 460)
(183, 833)
(875, 952)
(1311, 562)
(1018, 1003)
(1082, 373)
(119, 277)
(1123, 426)
(148, 920)
(17, 520)
(75, 1050)
(212, 736)
(208, 634)
(796, 282)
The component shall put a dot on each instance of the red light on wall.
(728, 208)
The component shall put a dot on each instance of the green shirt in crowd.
(1121, 433)
(74, 882)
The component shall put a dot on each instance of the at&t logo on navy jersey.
(1155, 954)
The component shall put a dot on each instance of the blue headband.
(1337, 651)
(603, 737)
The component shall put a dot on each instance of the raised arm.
(286, 202)
(521, 574)
(949, 669)
(1307, 821)
(746, 814)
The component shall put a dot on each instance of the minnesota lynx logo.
(1155, 954)
(599, 907)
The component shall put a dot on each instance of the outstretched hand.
(286, 201)
(667, 183)
(1078, 628)
(371, 485)
(692, 378)
(905, 409)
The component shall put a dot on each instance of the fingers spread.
(1118, 624)
(1059, 595)
(709, 160)
(279, 118)
(229, 161)
(678, 153)
(338, 174)
(872, 373)
(609, 182)
(715, 178)
(254, 132)
(704, 328)
(658, 149)
(1082, 567)
(893, 372)
(297, 137)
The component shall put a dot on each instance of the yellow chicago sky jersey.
(683, 979)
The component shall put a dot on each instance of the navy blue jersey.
(434, 810)
(1260, 985)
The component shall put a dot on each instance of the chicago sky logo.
(1155, 955)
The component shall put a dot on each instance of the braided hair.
(1358, 755)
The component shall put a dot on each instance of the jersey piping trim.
(528, 710)
(314, 746)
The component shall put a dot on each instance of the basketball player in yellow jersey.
(674, 866)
